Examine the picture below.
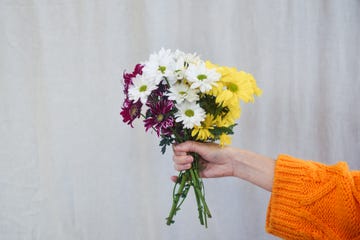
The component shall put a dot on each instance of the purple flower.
(159, 117)
(130, 111)
(157, 94)
(162, 88)
(128, 77)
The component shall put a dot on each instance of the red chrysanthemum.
(129, 76)
(130, 111)
(159, 117)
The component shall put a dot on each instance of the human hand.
(215, 160)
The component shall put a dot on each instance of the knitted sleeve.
(311, 200)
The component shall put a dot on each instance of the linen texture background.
(70, 169)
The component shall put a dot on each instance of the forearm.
(253, 167)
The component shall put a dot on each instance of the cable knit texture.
(311, 200)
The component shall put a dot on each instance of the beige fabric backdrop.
(70, 169)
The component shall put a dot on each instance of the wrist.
(253, 167)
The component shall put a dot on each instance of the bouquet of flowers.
(181, 97)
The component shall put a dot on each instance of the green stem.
(198, 197)
(198, 184)
(187, 179)
(176, 198)
(201, 190)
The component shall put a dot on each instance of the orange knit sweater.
(311, 200)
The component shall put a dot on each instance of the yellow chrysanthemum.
(225, 140)
(233, 85)
(225, 120)
(203, 132)
(257, 90)
(234, 111)
(238, 86)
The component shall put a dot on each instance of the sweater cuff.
(291, 179)
(287, 177)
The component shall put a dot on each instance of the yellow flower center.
(160, 117)
(201, 77)
(133, 111)
(143, 88)
(189, 113)
(233, 87)
(162, 69)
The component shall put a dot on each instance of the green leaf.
(164, 142)
(218, 131)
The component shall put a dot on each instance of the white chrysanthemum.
(141, 89)
(202, 77)
(160, 65)
(182, 62)
(190, 114)
(180, 92)
(186, 58)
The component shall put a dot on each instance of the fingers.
(182, 162)
(185, 147)
(178, 152)
(174, 178)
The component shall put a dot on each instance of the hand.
(215, 161)
(219, 161)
